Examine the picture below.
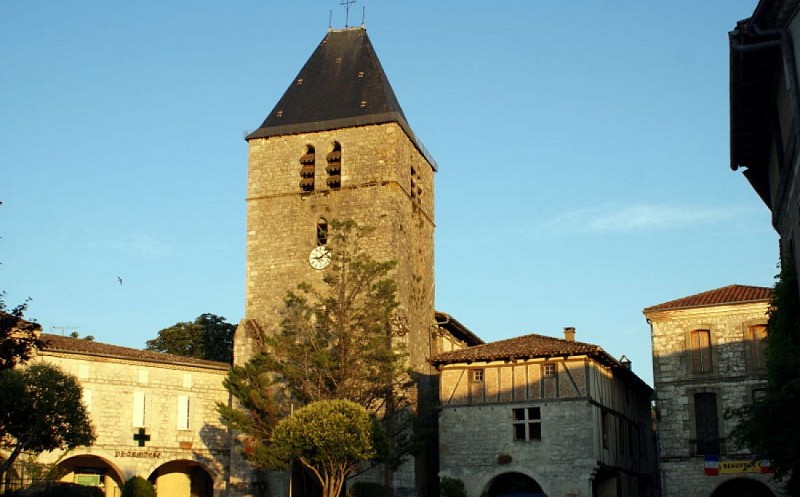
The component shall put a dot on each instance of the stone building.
(765, 110)
(154, 415)
(708, 358)
(539, 415)
(337, 146)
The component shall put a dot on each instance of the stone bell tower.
(337, 146)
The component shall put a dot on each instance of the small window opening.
(548, 370)
(322, 231)
(307, 169)
(360, 74)
(477, 375)
(527, 423)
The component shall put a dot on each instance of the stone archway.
(182, 478)
(742, 487)
(93, 471)
(516, 484)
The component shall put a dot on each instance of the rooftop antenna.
(363, 14)
(347, 4)
(330, 19)
(63, 329)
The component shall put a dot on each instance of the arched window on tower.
(307, 162)
(334, 167)
(322, 231)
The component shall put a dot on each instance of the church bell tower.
(337, 146)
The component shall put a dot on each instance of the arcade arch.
(91, 470)
(742, 487)
(182, 478)
(513, 483)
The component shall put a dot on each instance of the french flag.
(711, 467)
(765, 466)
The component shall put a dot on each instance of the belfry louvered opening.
(307, 169)
(334, 167)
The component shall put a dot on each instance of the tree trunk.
(7, 465)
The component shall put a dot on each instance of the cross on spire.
(141, 437)
(346, 4)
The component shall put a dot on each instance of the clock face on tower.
(320, 257)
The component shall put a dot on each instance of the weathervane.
(346, 4)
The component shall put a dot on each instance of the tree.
(334, 341)
(207, 337)
(41, 410)
(330, 438)
(18, 337)
(261, 405)
(770, 428)
(138, 487)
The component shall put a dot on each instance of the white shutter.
(138, 409)
(86, 397)
(183, 412)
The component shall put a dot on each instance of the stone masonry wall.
(375, 190)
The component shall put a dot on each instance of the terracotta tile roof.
(58, 343)
(527, 346)
(731, 294)
(458, 330)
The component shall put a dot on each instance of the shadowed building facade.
(536, 415)
(708, 357)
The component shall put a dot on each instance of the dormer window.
(334, 167)
(307, 169)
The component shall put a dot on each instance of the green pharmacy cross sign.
(141, 437)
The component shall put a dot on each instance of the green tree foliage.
(138, 487)
(452, 487)
(334, 341)
(261, 404)
(41, 410)
(58, 489)
(366, 489)
(207, 337)
(771, 427)
(18, 337)
(330, 438)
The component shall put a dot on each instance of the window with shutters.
(755, 338)
(139, 410)
(86, 399)
(700, 348)
(527, 424)
(307, 169)
(706, 439)
(183, 412)
(334, 167)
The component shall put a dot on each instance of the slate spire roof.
(341, 85)
(731, 294)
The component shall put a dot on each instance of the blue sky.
(582, 150)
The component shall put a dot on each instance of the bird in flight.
(120, 280)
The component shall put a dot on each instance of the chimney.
(569, 333)
(626, 363)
